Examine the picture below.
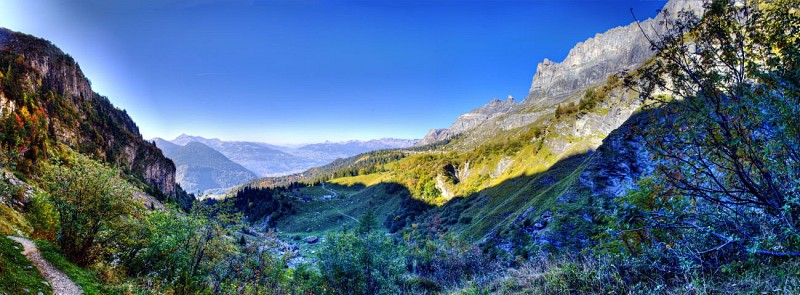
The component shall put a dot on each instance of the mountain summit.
(592, 61)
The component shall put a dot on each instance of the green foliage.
(591, 99)
(445, 260)
(367, 223)
(305, 279)
(366, 263)
(589, 275)
(403, 215)
(181, 252)
(17, 274)
(253, 271)
(257, 203)
(43, 217)
(12, 222)
(92, 201)
(566, 110)
(728, 175)
(85, 278)
(418, 173)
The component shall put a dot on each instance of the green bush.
(446, 261)
(43, 217)
(92, 201)
(369, 263)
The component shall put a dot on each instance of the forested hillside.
(681, 167)
(659, 157)
(47, 105)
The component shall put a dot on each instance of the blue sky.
(308, 71)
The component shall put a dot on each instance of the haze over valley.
(212, 166)
(400, 147)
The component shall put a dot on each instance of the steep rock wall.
(77, 116)
(592, 61)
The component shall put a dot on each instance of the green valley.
(658, 157)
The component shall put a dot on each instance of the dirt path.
(330, 191)
(337, 209)
(61, 284)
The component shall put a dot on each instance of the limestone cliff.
(45, 86)
(589, 63)
(592, 61)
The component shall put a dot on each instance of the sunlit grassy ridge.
(482, 190)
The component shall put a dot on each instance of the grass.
(512, 197)
(12, 222)
(366, 180)
(85, 278)
(17, 274)
(320, 216)
(589, 275)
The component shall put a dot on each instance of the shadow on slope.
(333, 207)
(556, 210)
(520, 209)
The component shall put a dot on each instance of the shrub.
(446, 261)
(43, 217)
(370, 263)
(92, 201)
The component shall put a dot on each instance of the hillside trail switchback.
(335, 208)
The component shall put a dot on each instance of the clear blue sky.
(308, 71)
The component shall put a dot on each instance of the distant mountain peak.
(273, 160)
(184, 139)
(203, 169)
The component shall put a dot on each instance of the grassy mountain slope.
(480, 191)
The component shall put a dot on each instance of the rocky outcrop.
(77, 116)
(14, 193)
(433, 136)
(592, 61)
(470, 120)
(589, 63)
(619, 162)
(475, 117)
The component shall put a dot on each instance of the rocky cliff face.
(592, 61)
(619, 162)
(589, 63)
(475, 117)
(470, 120)
(433, 136)
(39, 77)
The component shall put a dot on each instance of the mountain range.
(202, 169)
(509, 176)
(632, 166)
(211, 166)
